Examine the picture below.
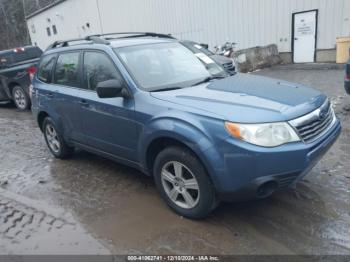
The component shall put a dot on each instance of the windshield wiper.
(208, 79)
(167, 89)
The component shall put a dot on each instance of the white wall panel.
(247, 22)
(70, 18)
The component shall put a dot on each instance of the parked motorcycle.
(227, 49)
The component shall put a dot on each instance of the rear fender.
(57, 119)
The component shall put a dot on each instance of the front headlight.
(266, 135)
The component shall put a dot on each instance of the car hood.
(246, 98)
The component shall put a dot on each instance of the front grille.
(229, 67)
(313, 125)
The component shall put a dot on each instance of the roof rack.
(102, 39)
(135, 34)
(94, 39)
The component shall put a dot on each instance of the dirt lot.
(89, 205)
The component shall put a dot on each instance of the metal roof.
(45, 9)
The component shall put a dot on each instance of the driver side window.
(98, 68)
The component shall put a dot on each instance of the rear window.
(45, 68)
(66, 71)
(20, 55)
(29, 54)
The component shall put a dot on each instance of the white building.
(306, 28)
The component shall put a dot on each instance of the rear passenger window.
(45, 68)
(66, 71)
(98, 68)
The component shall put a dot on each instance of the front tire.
(184, 183)
(20, 98)
(55, 141)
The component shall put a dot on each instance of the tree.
(13, 26)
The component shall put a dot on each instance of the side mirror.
(111, 88)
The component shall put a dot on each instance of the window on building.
(32, 27)
(54, 29)
(45, 68)
(66, 71)
(48, 30)
(98, 68)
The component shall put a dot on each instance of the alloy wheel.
(20, 99)
(52, 138)
(180, 185)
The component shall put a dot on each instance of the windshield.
(195, 48)
(167, 65)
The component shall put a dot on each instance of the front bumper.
(248, 167)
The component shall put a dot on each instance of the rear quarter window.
(45, 68)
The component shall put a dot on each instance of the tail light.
(31, 91)
(31, 72)
(348, 76)
(19, 50)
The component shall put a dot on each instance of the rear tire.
(20, 98)
(55, 141)
(184, 183)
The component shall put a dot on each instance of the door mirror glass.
(110, 88)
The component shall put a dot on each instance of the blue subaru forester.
(146, 101)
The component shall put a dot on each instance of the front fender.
(190, 131)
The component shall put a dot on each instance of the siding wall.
(247, 22)
(69, 17)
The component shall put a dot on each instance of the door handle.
(50, 95)
(296, 38)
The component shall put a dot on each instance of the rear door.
(43, 86)
(64, 93)
(107, 124)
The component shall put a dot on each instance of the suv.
(17, 69)
(148, 102)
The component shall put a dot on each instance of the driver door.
(108, 124)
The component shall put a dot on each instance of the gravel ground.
(90, 205)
